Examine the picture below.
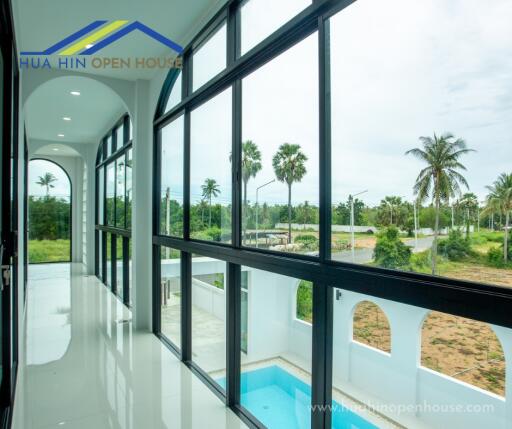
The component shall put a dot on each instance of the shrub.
(310, 242)
(304, 310)
(209, 234)
(389, 251)
(495, 257)
(455, 247)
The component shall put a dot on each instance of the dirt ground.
(481, 274)
(461, 348)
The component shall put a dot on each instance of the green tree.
(441, 178)
(390, 251)
(46, 181)
(251, 165)
(500, 200)
(469, 204)
(289, 167)
(210, 189)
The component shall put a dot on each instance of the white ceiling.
(42, 23)
(91, 113)
(56, 149)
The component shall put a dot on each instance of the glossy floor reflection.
(84, 366)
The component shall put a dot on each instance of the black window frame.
(118, 233)
(486, 303)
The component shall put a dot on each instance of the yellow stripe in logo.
(79, 46)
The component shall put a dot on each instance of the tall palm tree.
(500, 200)
(289, 166)
(441, 178)
(46, 180)
(469, 203)
(251, 165)
(210, 189)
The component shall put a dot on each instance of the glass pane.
(111, 188)
(130, 272)
(208, 316)
(210, 59)
(49, 213)
(129, 163)
(175, 95)
(257, 22)
(413, 109)
(120, 189)
(109, 259)
(280, 153)
(428, 369)
(101, 195)
(276, 363)
(170, 289)
(171, 192)
(210, 182)
(119, 137)
(109, 146)
(119, 267)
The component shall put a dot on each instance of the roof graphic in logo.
(99, 34)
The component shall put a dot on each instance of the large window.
(280, 153)
(210, 58)
(210, 170)
(114, 204)
(170, 295)
(171, 189)
(49, 213)
(429, 118)
(209, 315)
(323, 218)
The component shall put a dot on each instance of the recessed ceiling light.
(56, 149)
(66, 118)
(75, 92)
(89, 46)
(60, 135)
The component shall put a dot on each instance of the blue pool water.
(280, 400)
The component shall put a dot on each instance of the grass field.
(48, 251)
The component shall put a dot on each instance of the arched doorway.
(49, 212)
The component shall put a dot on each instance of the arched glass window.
(49, 212)
(371, 326)
(464, 349)
(304, 302)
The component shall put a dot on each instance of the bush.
(390, 252)
(310, 242)
(209, 234)
(455, 247)
(495, 257)
(304, 310)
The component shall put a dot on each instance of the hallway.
(83, 366)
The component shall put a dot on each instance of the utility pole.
(415, 225)
(167, 218)
(352, 236)
(257, 207)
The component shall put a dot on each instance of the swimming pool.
(280, 400)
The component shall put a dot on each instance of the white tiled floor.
(84, 366)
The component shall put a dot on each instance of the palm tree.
(469, 203)
(441, 178)
(210, 189)
(47, 181)
(500, 200)
(289, 166)
(251, 165)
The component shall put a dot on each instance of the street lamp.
(353, 240)
(257, 190)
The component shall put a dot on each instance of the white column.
(141, 210)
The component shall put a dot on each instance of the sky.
(37, 168)
(400, 69)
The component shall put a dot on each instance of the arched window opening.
(371, 326)
(465, 349)
(304, 302)
(49, 213)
